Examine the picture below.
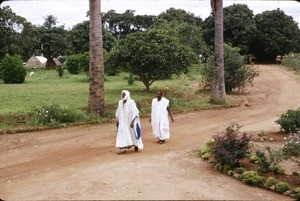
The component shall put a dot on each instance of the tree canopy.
(276, 34)
(150, 55)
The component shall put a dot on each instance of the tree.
(218, 93)
(237, 74)
(185, 26)
(10, 26)
(179, 15)
(96, 68)
(239, 27)
(52, 40)
(277, 34)
(78, 38)
(150, 55)
(122, 24)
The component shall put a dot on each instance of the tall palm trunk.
(218, 93)
(96, 66)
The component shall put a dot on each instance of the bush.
(240, 170)
(292, 62)
(291, 146)
(237, 74)
(277, 169)
(281, 187)
(55, 115)
(12, 70)
(78, 63)
(229, 147)
(60, 71)
(204, 151)
(269, 160)
(270, 182)
(252, 178)
(297, 193)
(290, 121)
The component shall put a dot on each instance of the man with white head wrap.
(128, 124)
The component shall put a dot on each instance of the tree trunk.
(96, 66)
(50, 64)
(218, 93)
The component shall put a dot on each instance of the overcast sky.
(71, 12)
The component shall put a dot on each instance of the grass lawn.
(46, 87)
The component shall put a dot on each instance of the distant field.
(46, 87)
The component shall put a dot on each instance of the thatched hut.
(36, 62)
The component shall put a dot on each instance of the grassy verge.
(44, 88)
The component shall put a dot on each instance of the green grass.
(46, 88)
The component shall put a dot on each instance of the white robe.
(126, 135)
(160, 119)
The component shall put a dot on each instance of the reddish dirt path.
(81, 163)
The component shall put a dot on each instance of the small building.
(36, 62)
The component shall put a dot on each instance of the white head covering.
(127, 95)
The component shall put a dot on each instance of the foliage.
(78, 63)
(53, 115)
(239, 27)
(277, 169)
(230, 147)
(240, 170)
(60, 71)
(11, 29)
(237, 74)
(150, 55)
(78, 38)
(291, 147)
(290, 121)
(292, 61)
(270, 182)
(204, 151)
(12, 70)
(189, 34)
(52, 40)
(281, 187)
(122, 24)
(297, 192)
(277, 34)
(268, 160)
(252, 178)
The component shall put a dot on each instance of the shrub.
(237, 74)
(291, 146)
(297, 193)
(55, 115)
(12, 70)
(292, 61)
(60, 71)
(252, 178)
(290, 121)
(268, 160)
(230, 147)
(281, 187)
(270, 182)
(277, 169)
(240, 170)
(204, 151)
(78, 63)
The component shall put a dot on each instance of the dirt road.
(81, 163)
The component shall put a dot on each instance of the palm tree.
(218, 93)
(96, 66)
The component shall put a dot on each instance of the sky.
(71, 12)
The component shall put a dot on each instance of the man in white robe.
(159, 118)
(128, 124)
